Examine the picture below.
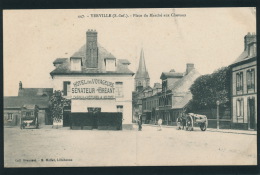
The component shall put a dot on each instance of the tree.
(57, 103)
(207, 89)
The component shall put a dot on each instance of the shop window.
(240, 108)
(10, 117)
(66, 88)
(119, 89)
(239, 81)
(119, 108)
(250, 79)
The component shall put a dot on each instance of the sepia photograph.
(130, 87)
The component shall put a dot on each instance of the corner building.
(93, 78)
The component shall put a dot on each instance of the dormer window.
(75, 63)
(110, 64)
(252, 49)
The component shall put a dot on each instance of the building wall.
(109, 105)
(243, 95)
(17, 116)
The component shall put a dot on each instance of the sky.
(208, 37)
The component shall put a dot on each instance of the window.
(66, 88)
(119, 89)
(110, 64)
(239, 81)
(240, 107)
(76, 64)
(250, 79)
(10, 117)
(119, 108)
(164, 85)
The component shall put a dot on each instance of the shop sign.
(92, 89)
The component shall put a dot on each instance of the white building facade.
(93, 78)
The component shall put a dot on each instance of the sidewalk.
(233, 131)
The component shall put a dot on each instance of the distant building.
(175, 94)
(27, 96)
(93, 78)
(244, 86)
(141, 84)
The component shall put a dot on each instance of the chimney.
(20, 85)
(92, 49)
(189, 67)
(248, 39)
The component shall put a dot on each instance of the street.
(48, 147)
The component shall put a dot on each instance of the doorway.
(251, 113)
(95, 112)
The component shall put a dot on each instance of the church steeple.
(142, 78)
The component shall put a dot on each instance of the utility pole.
(217, 114)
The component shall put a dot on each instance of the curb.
(213, 130)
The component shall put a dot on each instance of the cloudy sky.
(208, 37)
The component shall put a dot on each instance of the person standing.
(160, 124)
(140, 123)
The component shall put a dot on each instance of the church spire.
(142, 77)
(142, 71)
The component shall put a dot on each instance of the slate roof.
(157, 86)
(124, 61)
(184, 84)
(142, 71)
(171, 75)
(59, 60)
(64, 68)
(18, 102)
(29, 92)
(245, 54)
(181, 103)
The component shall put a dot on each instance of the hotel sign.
(92, 89)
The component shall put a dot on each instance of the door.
(66, 118)
(251, 112)
(95, 112)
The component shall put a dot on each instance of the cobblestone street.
(47, 147)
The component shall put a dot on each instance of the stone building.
(244, 86)
(93, 78)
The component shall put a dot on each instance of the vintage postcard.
(130, 87)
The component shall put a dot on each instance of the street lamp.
(217, 113)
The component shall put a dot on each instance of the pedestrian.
(140, 123)
(160, 124)
(183, 121)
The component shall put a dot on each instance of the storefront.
(94, 79)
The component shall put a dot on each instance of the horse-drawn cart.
(191, 120)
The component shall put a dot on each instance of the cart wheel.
(189, 124)
(203, 126)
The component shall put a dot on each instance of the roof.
(142, 71)
(29, 106)
(124, 61)
(29, 92)
(171, 75)
(245, 54)
(157, 86)
(181, 103)
(59, 60)
(102, 54)
(184, 84)
(18, 102)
